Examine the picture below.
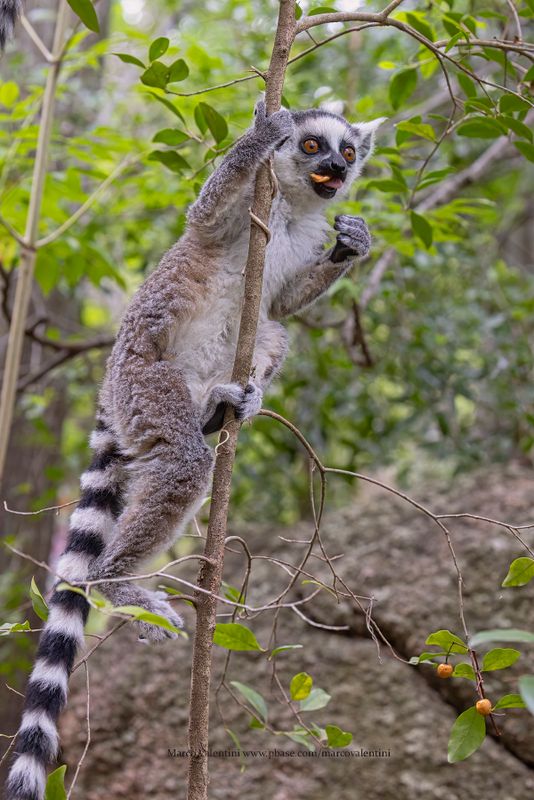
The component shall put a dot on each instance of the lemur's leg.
(270, 351)
(227, 185)
(170, 467)
(353, 241)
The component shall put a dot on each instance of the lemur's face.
(325, 154)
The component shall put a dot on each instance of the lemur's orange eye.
(310, 146)
(349, 154)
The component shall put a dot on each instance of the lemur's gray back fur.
(168, 381)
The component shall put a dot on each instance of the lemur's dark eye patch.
(310, 146)
(349, 153)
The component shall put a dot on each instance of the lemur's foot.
(125, 594)
(246, 402)
(156, 603)
(250, 404)
(353, 239)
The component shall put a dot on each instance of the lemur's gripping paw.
(274, 129)
(353, 238)
(250, 404)
(157, 603)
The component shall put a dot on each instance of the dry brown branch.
(88, 724)
(210, 577)
(41, 510)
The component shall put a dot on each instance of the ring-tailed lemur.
(167, 382)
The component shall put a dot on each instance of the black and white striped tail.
(37, 743)
(10, 11)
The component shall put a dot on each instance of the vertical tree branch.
(211, 571)
(28, 255)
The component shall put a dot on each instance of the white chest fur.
(204, 349)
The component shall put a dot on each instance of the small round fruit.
(484, 707)
(445, 670)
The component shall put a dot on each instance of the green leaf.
(453, 40)
(425, 657)
(84, 9)
(387, 185)
(526, 149)
(480, 128)
(173, 161)
(300, 738)
(401, 86)
(500, 658)
(468, 86)
(158, 48)
(418, 22)
(167, 104)
(508, 103)
(142, 615)
(520, 573)
(467, 734)
(55, 785)
(283, 648)
(156, 75)
(14, 627)
(316, 699)
(502, 635)
(232, 593)
(253, 697)
(321, 10)
(464, 670)
(518, 127)
(38, 602)
(300, 686)
(418, 129)
(423, 229)
(216, 124)
(67, 587)
(9, 93)
(526, 687)
(128, 59)
(510, 701)
(178, 71)
(170, 136)
(337, 737)
(233, 636)
(447, 641)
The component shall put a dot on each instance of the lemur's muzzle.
(330, 174)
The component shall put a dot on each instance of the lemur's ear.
(366, 137)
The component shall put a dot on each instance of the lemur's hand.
(274, 129)
(353, 239)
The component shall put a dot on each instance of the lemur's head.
(324, 155)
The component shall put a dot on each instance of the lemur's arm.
(224, 193)
(313, 280)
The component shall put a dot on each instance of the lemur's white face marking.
(325, 154)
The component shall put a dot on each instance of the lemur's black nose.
(337, 165)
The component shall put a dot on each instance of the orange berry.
(445, 670)
(484, 707)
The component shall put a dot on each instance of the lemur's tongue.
(334, 183)
(326, 180)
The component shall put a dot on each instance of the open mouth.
(325, 185)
